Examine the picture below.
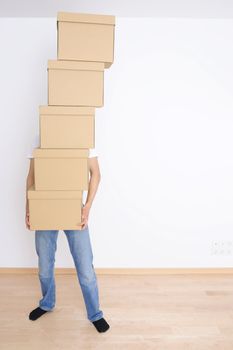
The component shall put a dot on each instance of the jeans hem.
(45, 308)
(96, 319)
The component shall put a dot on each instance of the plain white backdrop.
(164, 138)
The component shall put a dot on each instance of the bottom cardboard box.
(54, 210)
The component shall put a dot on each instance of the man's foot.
(36, 313)
(101, 325)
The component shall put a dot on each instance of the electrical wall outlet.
(224, 248)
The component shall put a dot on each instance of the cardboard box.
(67, 127)
(85, 37)
(73, 83)
(54, 210)
(61, 169)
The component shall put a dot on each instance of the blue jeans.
(81, 250)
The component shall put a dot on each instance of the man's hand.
(85, 215)
(27, 221)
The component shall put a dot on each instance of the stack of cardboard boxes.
(85, 47)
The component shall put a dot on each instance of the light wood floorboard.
(177, 312)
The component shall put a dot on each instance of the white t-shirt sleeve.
(35, 144)
(93, 152)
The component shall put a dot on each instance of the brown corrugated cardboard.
(54, 210)
(61, 169)
(85, 37)
(72, 83)
(67, 127)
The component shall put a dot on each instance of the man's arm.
(29, 183)
(95, 177)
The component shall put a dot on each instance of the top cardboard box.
(85, 37)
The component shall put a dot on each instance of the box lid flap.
(60, 152)
(33, 194)
(75, 65)
(66, 110)
(85, 18)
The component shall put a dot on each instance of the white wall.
(120, 8)
(164, 136)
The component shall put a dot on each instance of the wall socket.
(224, 248)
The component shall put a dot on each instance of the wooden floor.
(182, 312)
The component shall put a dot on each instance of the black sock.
(36, 313)
(101, 325)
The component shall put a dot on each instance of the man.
(80, 248)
